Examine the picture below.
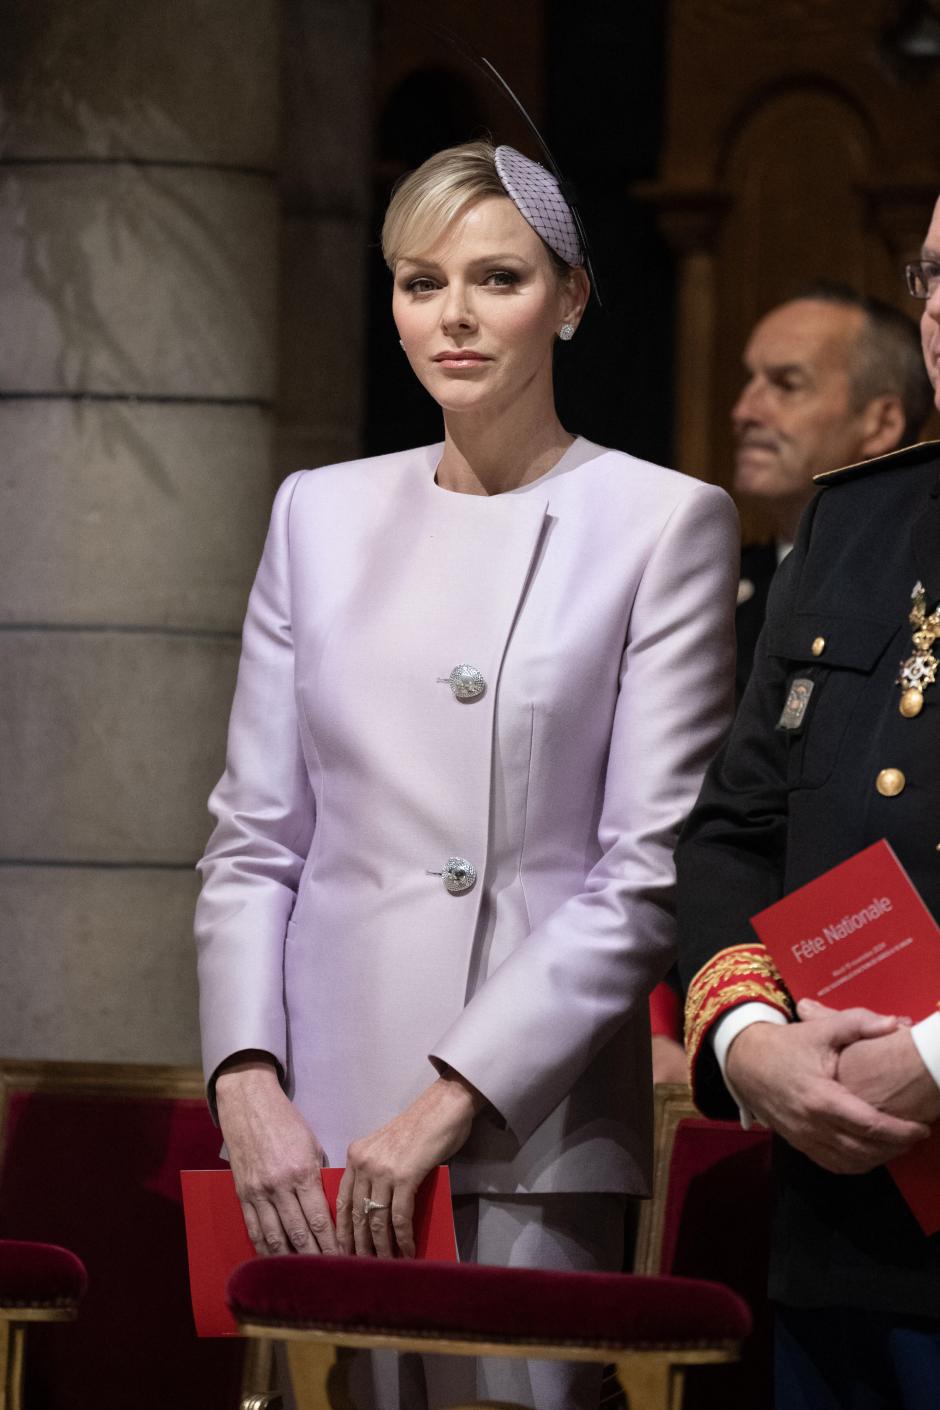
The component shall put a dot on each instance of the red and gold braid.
(734, 976)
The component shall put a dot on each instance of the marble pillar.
(326, 194)
(138, 249)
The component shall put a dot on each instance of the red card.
(218, 1241)
(861, 935)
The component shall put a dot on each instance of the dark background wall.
(605, 120)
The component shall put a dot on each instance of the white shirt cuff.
(727, 1029)
(926, 1035)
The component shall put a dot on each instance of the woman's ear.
(576, 292)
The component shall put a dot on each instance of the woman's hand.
(389, 1165)
(275, 1160)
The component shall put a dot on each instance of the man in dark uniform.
(832, 377)
(836, 745)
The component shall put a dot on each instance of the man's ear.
(883, 423)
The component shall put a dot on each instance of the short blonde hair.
(425, 201)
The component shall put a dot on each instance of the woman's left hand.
(388, 1166)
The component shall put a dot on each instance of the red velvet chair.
(38, 1283)
(651, 1329)
(710, 1218)
(91, 1155)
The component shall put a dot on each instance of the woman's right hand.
(275, 1159)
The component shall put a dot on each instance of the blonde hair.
(425, 201)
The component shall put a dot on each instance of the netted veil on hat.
(535, 193)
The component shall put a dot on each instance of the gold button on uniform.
(818, 646)
(890, 782)
(912, 702)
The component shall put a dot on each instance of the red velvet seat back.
(718, 1204)
(717, 1225)
(99, 1173)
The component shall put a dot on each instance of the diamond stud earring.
(566, 332)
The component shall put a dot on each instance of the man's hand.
(275, 1160)
(787, 1076)
(389, 1165)
(888, 1071)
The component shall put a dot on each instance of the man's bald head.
(833, 378)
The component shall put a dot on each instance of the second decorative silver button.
(466, 682)
(459, 875)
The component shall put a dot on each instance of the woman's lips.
(460, 357)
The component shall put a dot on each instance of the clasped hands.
(276, 1162)
(848, 1089)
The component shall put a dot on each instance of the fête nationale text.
(841, 929)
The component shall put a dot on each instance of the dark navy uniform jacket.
(780, 806)
(758, 566)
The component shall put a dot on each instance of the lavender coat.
(598, 604)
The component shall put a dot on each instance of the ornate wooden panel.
(803, 140)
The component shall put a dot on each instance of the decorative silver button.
(466, 682)
(459, 875)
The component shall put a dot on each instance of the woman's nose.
(457, 312)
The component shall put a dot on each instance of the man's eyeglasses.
(923, 277)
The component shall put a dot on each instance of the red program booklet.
(218, 1242)
(861, 935)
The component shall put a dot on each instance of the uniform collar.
(907, 455)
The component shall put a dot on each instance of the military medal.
(920, 669)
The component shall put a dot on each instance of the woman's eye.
(421, 285)
(501, 277)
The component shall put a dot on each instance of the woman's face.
(478, 312)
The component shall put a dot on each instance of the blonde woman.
(479, 686)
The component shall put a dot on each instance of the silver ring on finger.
(369, 1206)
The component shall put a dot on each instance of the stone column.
(326, 190)
(138, 232)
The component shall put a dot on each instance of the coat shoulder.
(859, 501)
(623, 476)
(373, 472)
(925, 453)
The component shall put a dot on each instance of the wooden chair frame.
(672, 1104)
(651, 1378)
(14, 1322)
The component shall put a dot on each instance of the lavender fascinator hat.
(537, 196)
(540, 193)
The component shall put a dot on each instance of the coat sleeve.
(541, 1017)
(732, 853)
(264, 811)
